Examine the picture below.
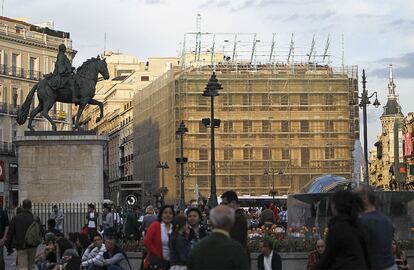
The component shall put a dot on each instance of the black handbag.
(158, 263)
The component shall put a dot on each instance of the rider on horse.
(62, 74)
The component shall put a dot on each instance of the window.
(304, 126)
(303, 102)
(203, 154)
(228, 126)
(202, 103)
(305, 156)
(285, 153)
(33, 70)
(329, 152)
(304, 99)
(202, 181)
(229, 182)
(247, 99)
(14, 96)
(266, 127)
(201, 128)
(247, 126)
(329, 126)
(144, 78)
(228, 153)
(267, 153)
(266, 100)
(227, 100)
(285, 126)
(329, 99)
(284, 102)
(248, 152)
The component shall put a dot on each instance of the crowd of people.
(359, 237)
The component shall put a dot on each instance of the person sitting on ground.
(268, 259)
(267, 218)
(218, 250)
(46, 259)
(67, 256)
(51, 227)
(399, 256)
(114, 257)
(93, 255)
(315, 256)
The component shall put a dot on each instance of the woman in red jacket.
(156, 239)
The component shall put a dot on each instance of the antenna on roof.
(343, 53)
(104, 43)
(234, 48)
(272, 47)
(198, 37)
(325, 53)
(291, 49)
(312, 49)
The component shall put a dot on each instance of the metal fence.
(74, 214)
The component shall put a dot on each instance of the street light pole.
(211, 91)
(363, 104)
(162, 165)
(182, 129)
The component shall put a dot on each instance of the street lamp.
(211, 91)
(182, 129)
(163, 166)
(365, 97)
(272, 171)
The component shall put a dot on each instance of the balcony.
(19, 72)
(7, 108)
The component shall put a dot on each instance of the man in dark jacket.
(238, 231)
(217, 250)
(4, 227)
(16, 236)
(267, 217)
(269, 259)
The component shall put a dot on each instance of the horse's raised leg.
(81, 107)
(100, 104)
(33, 114)
(45, 113)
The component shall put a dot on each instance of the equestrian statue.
(66, 86)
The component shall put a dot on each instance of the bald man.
(218, 251)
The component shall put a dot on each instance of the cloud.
(153, 2)
(403, 66)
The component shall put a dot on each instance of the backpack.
(34, 234)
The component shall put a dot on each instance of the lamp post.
(211, 91)
(163, 166)
(272, 171)
(365, 97)
(182, 129)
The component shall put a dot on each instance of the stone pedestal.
(62, 166)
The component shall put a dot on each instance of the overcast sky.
(376, 32)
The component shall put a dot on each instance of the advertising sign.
(408, 144)
(2, 170)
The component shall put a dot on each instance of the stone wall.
(60, 167)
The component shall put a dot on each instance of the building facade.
(386, 166)
(27, 52)
(294, 120)
(128, 75)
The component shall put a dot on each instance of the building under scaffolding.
(294, 119)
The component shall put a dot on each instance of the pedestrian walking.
(19, 233)
(380, 231)
(157, 238)
(218, 250)
(4, 228)
(238, 231)
(346, 246)
(180, 244)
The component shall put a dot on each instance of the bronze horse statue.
(85, 80)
